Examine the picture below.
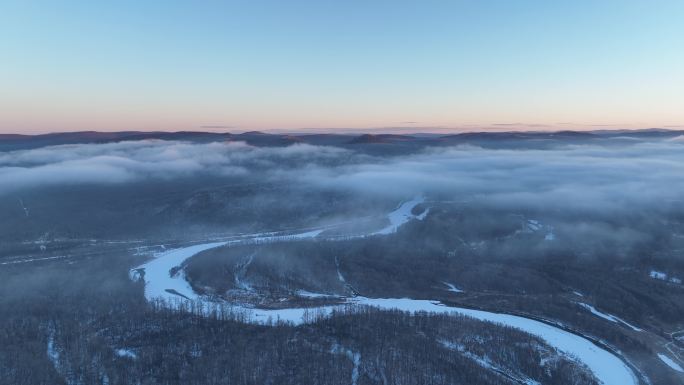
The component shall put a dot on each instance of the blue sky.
(419, 65)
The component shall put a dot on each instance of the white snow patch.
(355, 358)
(241, 271)
(340, 277)
(402, 215)
(608, 317)
(27, 260)
(534, 225)
(52, 352)
(54, 357)
(275, 238)
(126, 353)
(105, 378)
(295, 316)
(23, 206)
(577, 293)
(664, 277)
(308, 294)
(658, 275)
(452, 288)
(423, 214)
(669, 362)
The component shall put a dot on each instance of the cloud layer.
(585, 177)
(580, 177)
(150, 159)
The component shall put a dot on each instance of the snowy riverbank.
(164, 279)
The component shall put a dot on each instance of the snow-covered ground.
(354, 357)
(165, 280)
(669, 362)
(126, 353)
(488, 364)
(606, 366)
(308, 294)
(658, 275)
(403, 214)
(533, 225)
(52, 353)
(27, 260)
(160, 283)
(241, 271)
(665, 277)
(452, 288)
(608, 317)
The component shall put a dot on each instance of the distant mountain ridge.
(10, 142)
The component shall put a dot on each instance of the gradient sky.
(415, 65)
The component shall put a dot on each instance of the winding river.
(165, 280)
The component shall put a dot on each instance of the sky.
(308, 65)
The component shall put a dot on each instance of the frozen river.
(164, 279)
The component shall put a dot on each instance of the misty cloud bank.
(122, 162)
(586, 177)
(581, 177)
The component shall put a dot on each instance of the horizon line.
(360, 131)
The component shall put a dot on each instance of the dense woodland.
(81, 324)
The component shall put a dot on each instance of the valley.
(472, 282)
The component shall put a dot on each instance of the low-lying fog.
(587, 177)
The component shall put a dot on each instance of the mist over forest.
(155, 260)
